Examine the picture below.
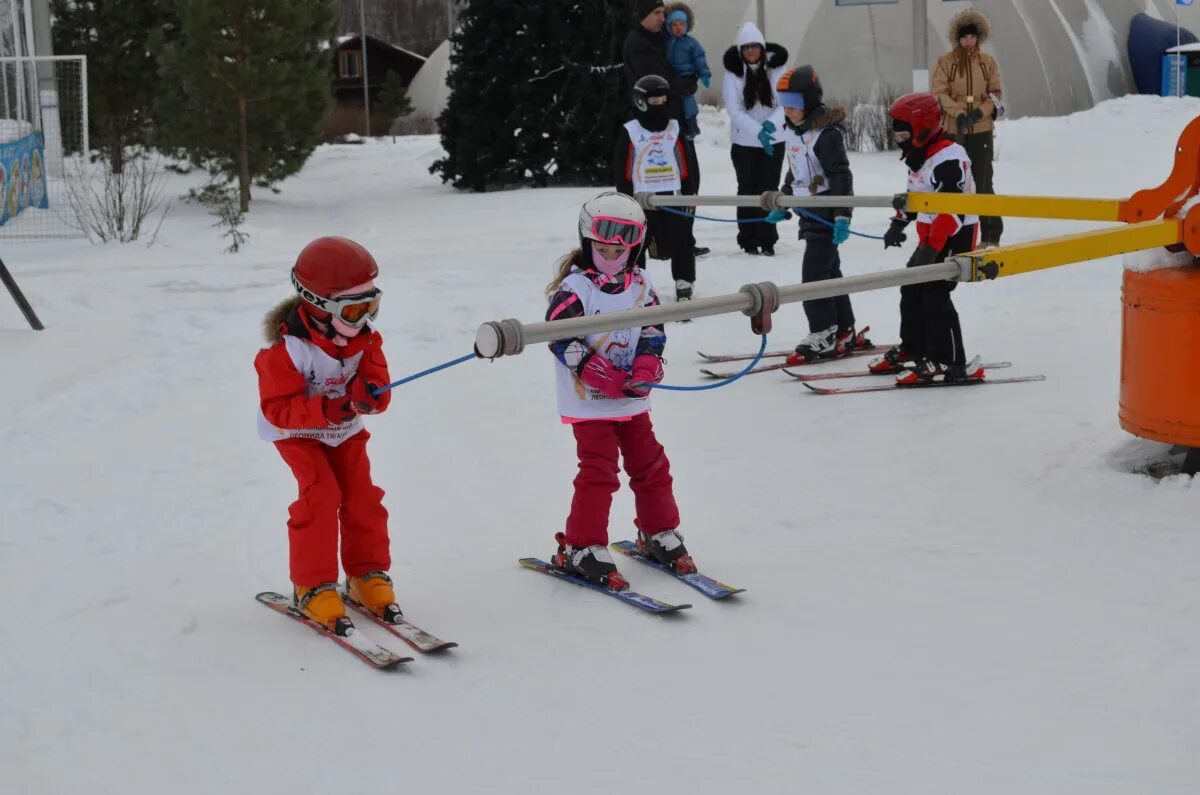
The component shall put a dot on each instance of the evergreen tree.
(393, 101)
(119, 38)
(548, 110)
(254, 81)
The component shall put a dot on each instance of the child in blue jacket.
(687, 58)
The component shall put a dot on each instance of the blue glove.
(776, 216)
(841, 230)
(769, 126)
(764, 138)
(706, 80)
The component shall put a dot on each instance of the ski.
(741, 357)
(766, 368)
(899, 388)
(349, 638)
(861, 373)
(706, 585)
(402, 628)
(629, 597)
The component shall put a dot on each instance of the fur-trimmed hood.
(277, 319)
(685, 8)
(775, 57)
(289, 317)
(968, 17)
(824, 116)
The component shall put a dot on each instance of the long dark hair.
(757, 90)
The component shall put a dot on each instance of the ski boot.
(922, 371)
(848, 340)
(594, 564)
(683, 290)
(667, 548)
(817, 346)
(893, 361)
(323, 604)
(961, 373)
(373, 591)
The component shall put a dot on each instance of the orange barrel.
(1160, 355)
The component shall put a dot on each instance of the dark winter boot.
(594, 564)
(667, 548)
(683, 290)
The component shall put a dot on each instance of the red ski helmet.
(330, 265)
(921, 114)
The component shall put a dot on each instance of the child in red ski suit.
(604, 382)
(315, 380)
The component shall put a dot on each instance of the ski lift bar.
(510, 337)
(771, 200)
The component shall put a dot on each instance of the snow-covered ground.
(948, 592)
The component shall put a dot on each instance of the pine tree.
(255, 84)
(393, 101)
(119, 38)
(547, 112)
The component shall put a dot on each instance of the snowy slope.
(948, 592)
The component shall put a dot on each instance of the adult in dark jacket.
(651, 157)
(818, 165)
(752, 68)
(645, 53)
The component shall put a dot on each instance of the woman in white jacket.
(752, 68)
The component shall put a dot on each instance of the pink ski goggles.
(611, 231)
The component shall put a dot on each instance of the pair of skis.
(713, 589)
(349, 638)
(808, 377)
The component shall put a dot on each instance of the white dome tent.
(428, 92)
(1056, 56)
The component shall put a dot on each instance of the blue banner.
(23, 176)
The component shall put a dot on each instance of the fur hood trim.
(968, 16)
(276, 319)
(826, 116)
(777, 56)
(685, 8)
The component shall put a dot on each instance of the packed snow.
(948, 591)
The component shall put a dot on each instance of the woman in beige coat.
(967, 83)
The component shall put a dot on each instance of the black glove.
(925, 255)
(894, 236)
(962, 122)
(974, 116)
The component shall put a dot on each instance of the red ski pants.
(598, 443)
(335, 490)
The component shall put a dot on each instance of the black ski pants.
(672, 235)
(929, 326)
(756, 173)
(979, 148)
(822, 261)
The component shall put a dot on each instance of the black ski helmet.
(649, 86)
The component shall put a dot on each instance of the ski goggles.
(791, 99)
(353, 310)
(610, 231)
